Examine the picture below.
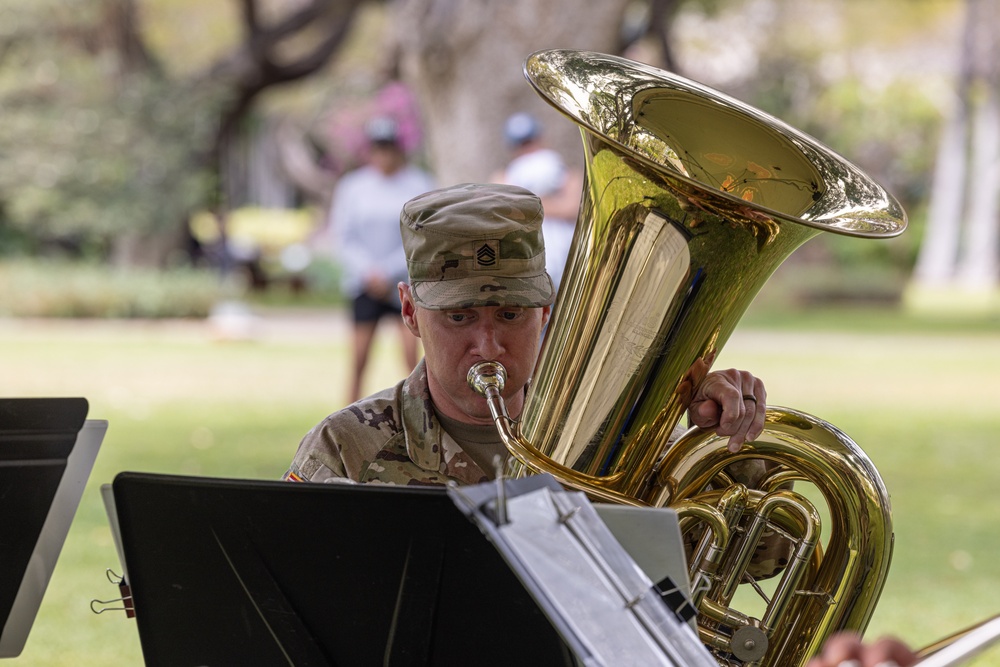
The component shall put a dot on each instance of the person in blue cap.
(541, 170)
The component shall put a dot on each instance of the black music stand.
(37, 440)
(259, 572)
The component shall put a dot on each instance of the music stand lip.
(47, 450)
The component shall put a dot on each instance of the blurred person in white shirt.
(364, 228)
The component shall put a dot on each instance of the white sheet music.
(599, 592)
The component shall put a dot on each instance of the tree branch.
(255, 66)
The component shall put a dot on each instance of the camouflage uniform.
(391, 437)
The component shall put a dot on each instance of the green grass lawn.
(921, 401)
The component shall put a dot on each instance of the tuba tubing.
(691, 200)
(840, 589)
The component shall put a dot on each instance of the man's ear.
(408, 309)
(546, 314)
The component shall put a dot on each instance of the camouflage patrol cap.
(473, 245)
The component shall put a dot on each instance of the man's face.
(454, 340)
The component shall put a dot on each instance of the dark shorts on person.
(369, 309)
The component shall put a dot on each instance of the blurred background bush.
(48, 288)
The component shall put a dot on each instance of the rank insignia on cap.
(487, 255)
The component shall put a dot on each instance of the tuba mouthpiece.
(486, 375)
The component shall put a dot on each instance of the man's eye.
(510, 314)
(457, 317)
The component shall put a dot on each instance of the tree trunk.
(939, 249)
(261, 62)
(961, 247)
(465, 59)
(978, 261)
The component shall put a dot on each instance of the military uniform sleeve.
(318, 458)
(342, 445)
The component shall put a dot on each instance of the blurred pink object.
(346, 128)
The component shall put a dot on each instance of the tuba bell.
(691, 200)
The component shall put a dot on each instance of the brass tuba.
(691, 200)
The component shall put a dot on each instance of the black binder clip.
(101, 606)
(676, 600)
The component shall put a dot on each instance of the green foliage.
(58, 289)
(315, 287)
(848, 82)
(885, 132)
(322, 280)
(886, 136)
(890, 131)
(93, 145)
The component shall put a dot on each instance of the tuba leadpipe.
(691, 200)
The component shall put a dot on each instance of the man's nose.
(488, 341)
